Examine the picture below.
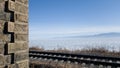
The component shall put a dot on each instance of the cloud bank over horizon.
(57, 18)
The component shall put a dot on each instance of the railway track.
(77, 58)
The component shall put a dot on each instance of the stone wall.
(14, 34)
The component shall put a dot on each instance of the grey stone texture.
(14, 34)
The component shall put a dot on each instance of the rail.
(79, 58)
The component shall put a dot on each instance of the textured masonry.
(14, 34)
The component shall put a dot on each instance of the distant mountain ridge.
(111, 34)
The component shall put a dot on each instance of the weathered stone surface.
(21, 37)
(2, 67)
(1, 1)
(18, 46)
(10, 27)
(21, 56)
(21, 28)
(8, 59)
(23, 64)
(23, 1)
(5, 16)
(20, 64)
(4, 37)
(1, 48)
(21, 46)
(14, 32)
(2, 6)
(1, 26)
(12, 66)
(21, 18)
(11, 5)
(21, 8)
(2, 60)
(11, 47)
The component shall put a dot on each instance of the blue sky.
(52, 18)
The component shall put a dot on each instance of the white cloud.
(38, 33)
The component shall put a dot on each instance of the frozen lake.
(112, 43)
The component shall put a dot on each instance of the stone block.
(10, 27)
(1, 1)
(21, 28)
(23, 64)
(21, 56)
(8, 59)
(23, 1)
(12, 66)
(1, 48)
(21, 37)
(5, 16)
(2, 6)
(17, 46)
(2, 61)
(1, 26)
(21, 18)
(11, 5)
(20, 64)
(21, 8)
(20, 46)
(11, 47)
(4, 38)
